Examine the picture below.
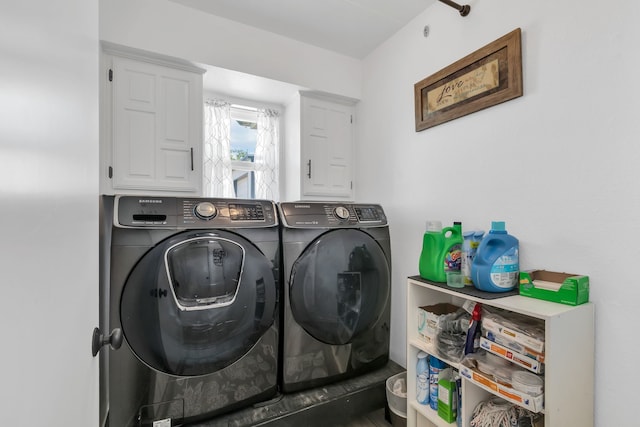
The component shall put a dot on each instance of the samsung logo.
(142, 201)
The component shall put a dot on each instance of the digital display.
(367, 214)
(240, 212)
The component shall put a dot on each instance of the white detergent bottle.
(495, 267)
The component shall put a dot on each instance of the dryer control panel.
(193, 212)
(331, 215)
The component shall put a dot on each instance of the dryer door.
(339, 286)
(197, 302)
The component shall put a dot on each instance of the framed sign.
(486, 77)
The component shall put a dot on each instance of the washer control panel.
(331, 215)
(182, 212)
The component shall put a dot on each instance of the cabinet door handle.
(191, 158)
(309, 168)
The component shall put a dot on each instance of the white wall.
(169, 28)
(48, 212)
(559, 165)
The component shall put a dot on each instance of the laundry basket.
(397, 399)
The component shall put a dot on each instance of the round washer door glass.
(339, 286)
(197, 302)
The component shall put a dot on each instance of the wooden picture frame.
(486, 77)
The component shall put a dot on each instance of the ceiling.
(350, 27)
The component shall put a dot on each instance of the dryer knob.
(341, 213)
(205, 210)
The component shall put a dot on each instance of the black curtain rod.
(464, 10)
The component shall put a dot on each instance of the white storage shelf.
(569, 356)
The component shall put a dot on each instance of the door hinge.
(110, 173)
(110, 75)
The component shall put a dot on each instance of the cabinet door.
(327, 146)
(157, 121)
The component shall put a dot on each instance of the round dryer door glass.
(197, 302)
(339, 286)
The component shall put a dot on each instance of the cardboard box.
(501, 327)
(447, 402)
(570, 289)
(532, 403)
(519, 359)
(429, 319)
(512, 345)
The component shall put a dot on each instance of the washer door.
(339, 286)
(197, 302)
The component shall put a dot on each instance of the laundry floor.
(373, 419)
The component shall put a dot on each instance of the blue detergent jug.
(495, 267)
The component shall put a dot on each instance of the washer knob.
(341, 213)
(205, 210)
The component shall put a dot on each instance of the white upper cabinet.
(327, 148)
(154, 131)
(319, 146)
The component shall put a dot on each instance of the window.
(244, 125)
(241, 151)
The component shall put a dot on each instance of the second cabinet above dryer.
(320, 146)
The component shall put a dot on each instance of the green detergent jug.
(441, 251)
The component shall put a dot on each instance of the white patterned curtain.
(218, 181)
(266, 155)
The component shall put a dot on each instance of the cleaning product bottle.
(432, 244)
(470, 243)
(468, 252)
(447, 403)
(495, 267)
(459, 402)
(441, 251)
(422, 378)
(473, 332)
(453, 248)
(435, 366)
